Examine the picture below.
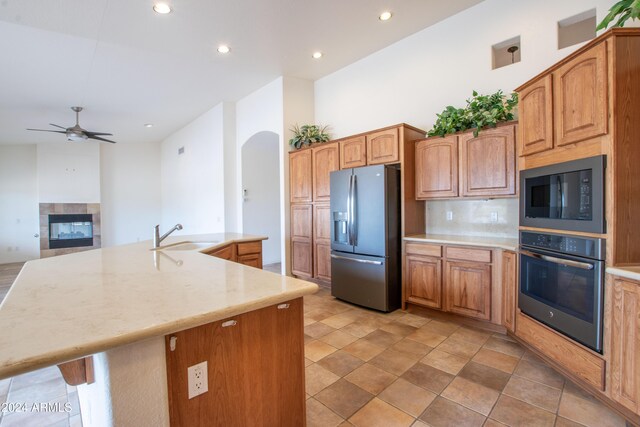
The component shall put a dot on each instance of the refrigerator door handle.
(349, 219)
(362, 261)
(352, 211)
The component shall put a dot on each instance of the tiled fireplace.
(68, 227)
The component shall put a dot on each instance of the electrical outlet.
(449, 216)
(494, 216)
(198, 379)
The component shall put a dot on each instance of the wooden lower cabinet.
(322, 268)
(424, 280)
(468, 289)
(302, 240)
(247, 253)
(255, 367)
(623, 328)
(509, 290)
(252, 260)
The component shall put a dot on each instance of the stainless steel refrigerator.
(365, 230)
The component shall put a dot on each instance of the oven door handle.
(565, 262)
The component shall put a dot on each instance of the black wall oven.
(562, 284)
(565, 196)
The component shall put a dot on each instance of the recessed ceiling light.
(148, 125)
(385, 16)
(317, 55)
(162, 8)
(223, 48)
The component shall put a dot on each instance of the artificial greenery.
(623, 10)
(481, 111)
(308, 134)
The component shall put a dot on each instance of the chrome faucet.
(157, 239)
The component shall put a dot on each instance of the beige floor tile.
(307, 362)
(345, 424)
(445, 413)
(471, 335)
(408, 397)
(340, 320)
(534, 393)
(75, 421)
(504, 346)
(531, 357)
(36, 377)
(316, 350)
(318, 378)
(308, 321)
(378, 413)
(514, 412)
(588, 413)
(450, 363)
(340, 363)
(493, 423)
(395, 362)
(413, 320)
(398, 329)
(4, 390)
(338, 339)
(317, 314)
(572, 388)
(428, 377)
(409, 346)
(363, 349)
(539, 373)
(370, 378)
(382, 338)
(497, 360)
(462, 348)
(319, 415)
(359, 328)
(485, 375)
(47, 391)
(318, 329)
(563, 422)
(471, 395)
(427, 338)
(441, 327)
(419, 423)
(344, 398)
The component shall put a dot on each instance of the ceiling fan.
(76, 133)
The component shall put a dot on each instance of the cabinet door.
(226, 252)
(301, 222)
(302, 258)
(300, 177)
(535, 114)
(252, 260)
(580, 97)
(624, 325)
(302, 240)
(468, 289)
(353, 152)
(326, 159)
(322, 268)
(424, 281)
(509, 290)
(437, 168)
(488, 162)
(322, 223)
(382, 147)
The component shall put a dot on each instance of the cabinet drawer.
(468, 254)
(424, 249)
(224, 253)
(249, 248)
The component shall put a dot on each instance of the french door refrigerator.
(365, 231)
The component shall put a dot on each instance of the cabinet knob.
(229, 323)
(283, 306)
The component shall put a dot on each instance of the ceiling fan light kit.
(76, 133)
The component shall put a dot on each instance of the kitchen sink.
(188, 246)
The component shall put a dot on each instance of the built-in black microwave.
(564, 196)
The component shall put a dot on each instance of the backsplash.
(473, 217)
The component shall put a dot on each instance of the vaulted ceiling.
(128, 65)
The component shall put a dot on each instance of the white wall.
(130, 189)
(231, 195)
(415, 78)
(261, 192)
(192, 183)
(19, 219)
(69, 173)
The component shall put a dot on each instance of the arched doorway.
(261, 193)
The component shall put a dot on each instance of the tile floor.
(365, 368)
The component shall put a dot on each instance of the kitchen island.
(120, 304)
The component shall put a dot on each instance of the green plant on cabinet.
(623, 10)
(308, 134)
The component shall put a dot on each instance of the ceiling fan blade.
(100, 139)
(90, 134)
(58, 126)
(48, 130)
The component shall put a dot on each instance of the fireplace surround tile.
(68, 208)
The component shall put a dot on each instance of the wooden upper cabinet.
(424, 280)
(581, 102)
(468, 289)
(353, 152)
(624, 355)
(488, 162)
(300, 177)
(535, 111)
(509, 290)
(326, 159)
(382, 147)
(437, 168)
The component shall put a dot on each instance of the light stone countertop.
(631, 272)
(509, 244)
(70, 306)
